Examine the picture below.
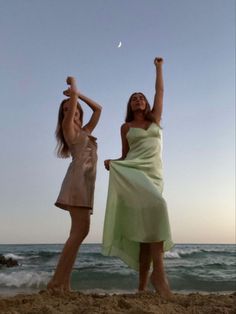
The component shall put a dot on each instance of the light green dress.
(136, 211)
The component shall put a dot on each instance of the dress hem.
(114, 251)
(68, 207)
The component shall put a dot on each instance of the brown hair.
(130, 115)
(62, 149)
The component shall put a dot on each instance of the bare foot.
(142, 288)
(162, 287)
(142, 291)
(57, 287)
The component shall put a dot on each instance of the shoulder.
(125, 128)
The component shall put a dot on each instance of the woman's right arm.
(68, 121)
(159, 87)
(96, 108)
(125, 145)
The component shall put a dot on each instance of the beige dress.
(77, 189)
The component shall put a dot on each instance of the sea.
(204, 268)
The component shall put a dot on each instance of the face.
(66, 107)
(138, 102)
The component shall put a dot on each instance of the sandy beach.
(147, 303)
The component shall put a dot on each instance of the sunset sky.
(42, 42)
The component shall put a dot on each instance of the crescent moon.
(120, 44)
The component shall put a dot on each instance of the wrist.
(73, 93)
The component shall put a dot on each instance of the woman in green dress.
(136, 226)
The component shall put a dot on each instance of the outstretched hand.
(158, 61)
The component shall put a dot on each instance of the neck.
(139, 116)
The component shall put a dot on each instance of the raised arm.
(159, 91)
(89, 127)
(70, 110)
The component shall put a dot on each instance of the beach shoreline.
(135, 303)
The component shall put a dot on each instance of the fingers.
(70, 80)
(107, 164)
(158, 60)
(67, 92)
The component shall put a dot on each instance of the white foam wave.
(13, 256)
(220, 250)
(178, 253)
(182, 252)
(187, 251)
(173, 254)
(24, 279)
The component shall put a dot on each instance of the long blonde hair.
(62, 149)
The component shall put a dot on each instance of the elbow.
(73, 94)
(99, 108)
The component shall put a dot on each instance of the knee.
(145, 264)
(144, 267)
(80, 234)
(85, 232)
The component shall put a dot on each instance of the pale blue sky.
(44, 41)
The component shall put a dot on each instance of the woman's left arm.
(95, 115)
(159, 93)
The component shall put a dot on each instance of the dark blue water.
(190, 268)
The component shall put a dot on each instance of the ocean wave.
(222, 250)
(41, 255)
(49, 253)
(172, 255)
(188, 252)
(104, 269)
(32, 255)
(96, 259)
(25, 279)
(179, 253)
(13, 256)
(221, 264)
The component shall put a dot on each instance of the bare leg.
(80, 221)
(144, 265)
(158, 276)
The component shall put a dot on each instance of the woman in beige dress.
(77, 190)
